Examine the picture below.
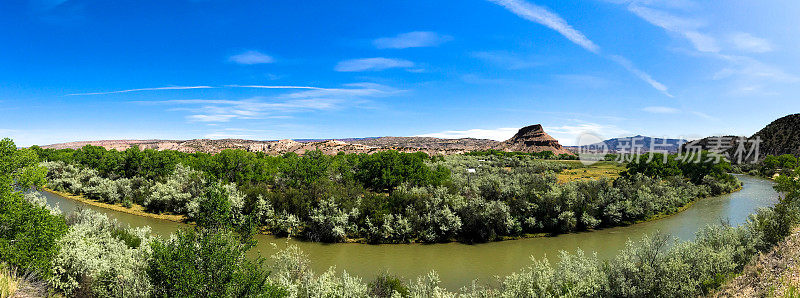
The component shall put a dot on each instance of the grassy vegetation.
(579, 171)
(9, 282)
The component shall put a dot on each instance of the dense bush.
(177, 193)
(769, 166)
(207, 263)
(389, 196)
(292, 272)
(28, 230)
(100, 258)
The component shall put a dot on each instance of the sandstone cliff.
(528, 139)
(533, 138)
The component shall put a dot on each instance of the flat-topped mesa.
(532, 138)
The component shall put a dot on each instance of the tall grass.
(13, 283)
(9, 283)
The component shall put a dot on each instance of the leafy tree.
(28, 232)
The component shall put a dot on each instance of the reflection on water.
(458, 264)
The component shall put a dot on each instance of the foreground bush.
(207, 264)
(28, 231)
(100, 258)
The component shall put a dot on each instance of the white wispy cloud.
(251, 108)
(753, 69)
(661, 110)
(211, 118)
(627, 64)
(351, 90)
(144, 89)
(498, 134)
(372, 64)
(703, 115)
(553, 21)
(687, 27)
(749, 43)
(278, 87)
(747, 75)
(675, 111)
(507, 60)
(251, 57)
(226, 86)
(278, 106)
(541, 15)
(416, 39)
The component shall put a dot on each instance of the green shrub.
(99, 258)
(207, 263)
(29, 234)
(28, 231)
(387, 286)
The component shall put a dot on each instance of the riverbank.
(139, 210)
(135, 209)
(770, 274)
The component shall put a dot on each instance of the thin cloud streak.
(748, 76)
(372, 64)
(661, 110)
(143, 89)
(251, 57)
(538, 14)
(277, 106)
(211, 87)
(541, 15)
(686, 27)
(416, 39)
(627, 64)
(278, 87)
(749, 43)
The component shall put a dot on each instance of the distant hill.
(528, 139)
(782, 136)
(348, 140)
(645, 144)
(533, 138)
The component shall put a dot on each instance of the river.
(457, 264)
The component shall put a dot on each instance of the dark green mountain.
(782, 136)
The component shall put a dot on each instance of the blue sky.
(86, 70)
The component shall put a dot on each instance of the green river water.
(457, 264)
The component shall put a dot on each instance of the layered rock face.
(533, 138)
(528, 139)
